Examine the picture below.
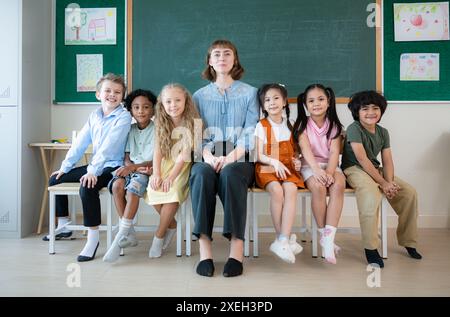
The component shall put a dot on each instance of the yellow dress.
(180, 187)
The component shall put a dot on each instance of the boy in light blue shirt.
(107, 130)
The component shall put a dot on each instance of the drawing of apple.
(416, 20)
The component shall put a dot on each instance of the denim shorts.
(135, 183)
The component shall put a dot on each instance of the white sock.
(113, 252)
(337, 248)
(156, 248)
(168, 237)
(124, 226)
(93, 238)
(283, 237)
(62, 221)
(129, 235)
(327, 243)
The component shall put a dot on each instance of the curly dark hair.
(137, 93)
(365, 98)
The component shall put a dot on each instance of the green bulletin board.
(396, 90)
(65, 55)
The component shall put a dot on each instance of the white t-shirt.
(281, 131)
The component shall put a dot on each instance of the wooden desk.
(47, 164)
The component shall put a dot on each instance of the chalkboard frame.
(292, 99)
(411, 91)
(64, 86)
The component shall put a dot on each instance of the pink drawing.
(97, 29)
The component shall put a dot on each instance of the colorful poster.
(89, 71)
(419, 67)
(92, 26)
(421, 21)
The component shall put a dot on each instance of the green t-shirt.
(141, 143)
(373, 144)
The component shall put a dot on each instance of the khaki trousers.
(368, 199)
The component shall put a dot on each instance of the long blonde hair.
(166, 136)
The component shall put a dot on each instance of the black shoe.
(232, 268)
(59, 236)
(82, 258)
(373, 257)
(413, 253)
(205, 268)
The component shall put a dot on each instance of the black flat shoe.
(59, 236)
(232, 268)
(205, 268)
(82, 258)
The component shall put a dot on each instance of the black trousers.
(231, 184)
(89, 196)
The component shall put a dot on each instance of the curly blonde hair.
(172, 140)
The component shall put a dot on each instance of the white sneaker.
(130, 240)
(283, 250)
(295, 247)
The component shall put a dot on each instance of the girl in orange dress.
(277, 168)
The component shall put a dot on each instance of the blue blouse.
(229, 117)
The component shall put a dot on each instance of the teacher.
(229, 109)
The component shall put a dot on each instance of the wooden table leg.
(44, 195)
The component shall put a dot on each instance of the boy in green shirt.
(364, 140)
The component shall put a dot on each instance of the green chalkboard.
(65, 55)
(286, 41)
(394, 89)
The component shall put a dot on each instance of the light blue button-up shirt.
(229, 117)
(108, 135)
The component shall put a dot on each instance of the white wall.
(420, 140)
(36, 96)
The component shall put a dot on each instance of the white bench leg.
(255, 228)
(383, 211)
(304, 225)
(247, 227)
(51, 224)
(108, 221)
(314, 235)
(188, 226)
(180, 215)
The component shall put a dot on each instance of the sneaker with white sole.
(130, 240)
(295, 247)
(283, 250)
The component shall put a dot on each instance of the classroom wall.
(420, 140)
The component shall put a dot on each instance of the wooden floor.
(26, 269)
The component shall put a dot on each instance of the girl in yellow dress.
(168, 185)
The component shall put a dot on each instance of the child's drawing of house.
(97, 29)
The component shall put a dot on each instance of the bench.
(73, 189)
(302, 195)
(186, 210)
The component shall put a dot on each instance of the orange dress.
(265, 174)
